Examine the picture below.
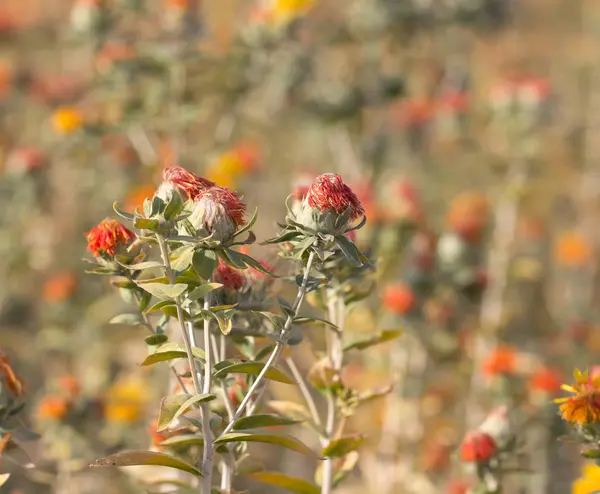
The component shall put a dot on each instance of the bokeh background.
(470, 129)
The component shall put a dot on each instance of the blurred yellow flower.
(125, 400)
(226, 170)
(589, 481)
(584, 407)
(66, 120)
(286, 10)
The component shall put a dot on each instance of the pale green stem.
(209, 453)
(278, 346)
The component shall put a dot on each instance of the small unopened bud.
(497, 426)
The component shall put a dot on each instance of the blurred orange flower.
(12, 382)
(59, 287)
(399, 298)
(70, 385)
(228, 168)
(545, 379)
(53, 408)
(137, 196)
(477, 447)
(66, 120)
(468, 215)
(584, 407)
(502, 360)
(572, 250)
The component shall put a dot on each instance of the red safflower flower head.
(328, 192)
(477, 447)
(181, 179)
(327, 198)
(231, 279)
(546, 380)
(217, 212)
(108, 238)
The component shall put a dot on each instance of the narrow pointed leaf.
(183, 440)
(171, 351)
(128, 319)
(140, 457)
(382, 337)
(263, 420)
(248, 225)
(162, 291)
(291, 484)
(254, 368)
(282, 440)
(343, 446)
(173, 406)
(121, 213)
(204, 262)
(349, 250)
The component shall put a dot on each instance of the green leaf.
(284, 237)
(127, 319)
(253, 263)
(263, 420)
(373, 394)
(315, 320)
(283, 440)
(145, 299)
(248, 225)
(202, 290)
(146, 224)
(382, 337)
(348, 463)
(121, 213)
(174, 207)
(232, 258)
(173, 406)
(277, 320)
(162, 291)
(349, 250)
(156, 339)
(183, 260)
(204, 262)
(134, 458)
(160, 306)
(343, 446)
(143, 265)
(292, 484)
(183, 440)
(170, 351)
(163, 280)
(592, 454)
(254, 368)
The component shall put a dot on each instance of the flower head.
(108, 238)
(477, 447)
(584, 407)
(546, 380)
(53, 408)
(502, 360)
(186, 181)
(219, 212)
(59, 287)
(328, 192)
(229, 277)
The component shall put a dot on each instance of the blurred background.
(470, 129)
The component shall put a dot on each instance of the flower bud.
(216, 213)
(477, 447)
(183, 180)
(327, 198)
(109, 238)
(497, 426)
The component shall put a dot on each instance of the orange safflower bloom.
(12, 382)
(66, 120)
(572, 250)
(502, 360)
(584, 407)
(59, 287)
(399, 298)
(53, 408)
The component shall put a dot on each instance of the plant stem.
(335, 354)
(208, 456)
(312, 408)
(164, 252)
(278, 346)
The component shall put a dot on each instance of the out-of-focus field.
(472, 137)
